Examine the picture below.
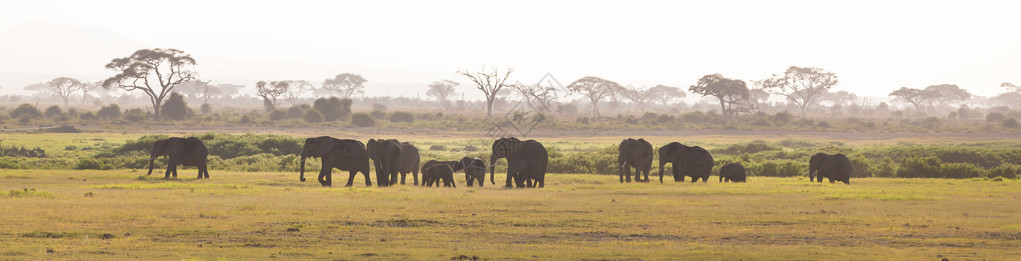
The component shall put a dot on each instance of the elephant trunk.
(151, 159)
(301, 171)
(492, 168)
(661, 164)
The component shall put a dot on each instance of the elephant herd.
(697, 163)
(527, 162)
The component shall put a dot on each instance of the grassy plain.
(117, 214)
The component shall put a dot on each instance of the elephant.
(733, 172)
(349, 155)
(386, 157)
(635, 154)
(694, 162)
(181, 151)
(433, 171)
(474, 170)
(836, 167)
(409, 162)
(526, 161)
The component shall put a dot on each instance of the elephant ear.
(326, 146)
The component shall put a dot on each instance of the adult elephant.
(386, 157)
(349, 155)
(733, 172)
(409, 161)
(181, 151)
(474, 170)
(694, 162)
(526, 161)
(836, 167)
(635, 154)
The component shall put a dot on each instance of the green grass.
(115, 214)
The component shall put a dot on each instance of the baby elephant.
(733, 172)
(433, 171)
(474, 170)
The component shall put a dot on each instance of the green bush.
(1010, 123)
(111, 111)
(362, 120)
(961, 171)
(313, 116)
(995, 117)
(400, 116)
(277, 115)
(1009, 171)
(780, 168)
(26, 110)
(90, 163)
(333, 108)
(134, 115)
(175, 108)
(919, 167)
(53, 111)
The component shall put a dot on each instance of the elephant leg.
(403, 175)
(323, 174)
(368, 180)
(169, 169)
(174, 170)
(351, 178)
(414, 174)
(205, 169)
(512, 169)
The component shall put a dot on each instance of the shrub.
(26, 110)
(378, 107)
(437, 147)
(295, 112)
(362, 119)
(961, 171)
(582, 120)
(87, 116)
(53, 111)
(401, 116)
(750, 148)
(823, 124)
(378, 114)
(783, 117)
(134, 115)
(995, 117)
(245, 120)
(175, 108)
(1009, 171)
(91, 163)
(206, 109)
(761, 123)
(111, 111)
(780, 168)
(313, 116)
(648, 116)
(277, 115)
(919, 167)
(886, 168)
(1010, 123)
(25, 119)
(333, 108)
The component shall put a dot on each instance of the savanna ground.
(123, 214)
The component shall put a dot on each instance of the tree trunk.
(489, 107)
(156, 109)
(723, 108)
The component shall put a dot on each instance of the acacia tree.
(943, 94)
(296, 89)
(154, 72)
(665, 94)
(638, 96)
(489, 82)
(269, 92)
(443, 91)
(196, 89)
(595, 89)
(88, 87)
(728, 91)
(801, 85)
(913, 96)
(539, 98)
(62, 87)
(345, 85)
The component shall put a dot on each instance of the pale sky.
(873, 46)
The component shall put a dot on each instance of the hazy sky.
(873, 46)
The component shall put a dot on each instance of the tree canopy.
(595, 89)
(345, 85)
(728, 91)
(489, 82)
(154, 72)
(801, 85)
(443, 91)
